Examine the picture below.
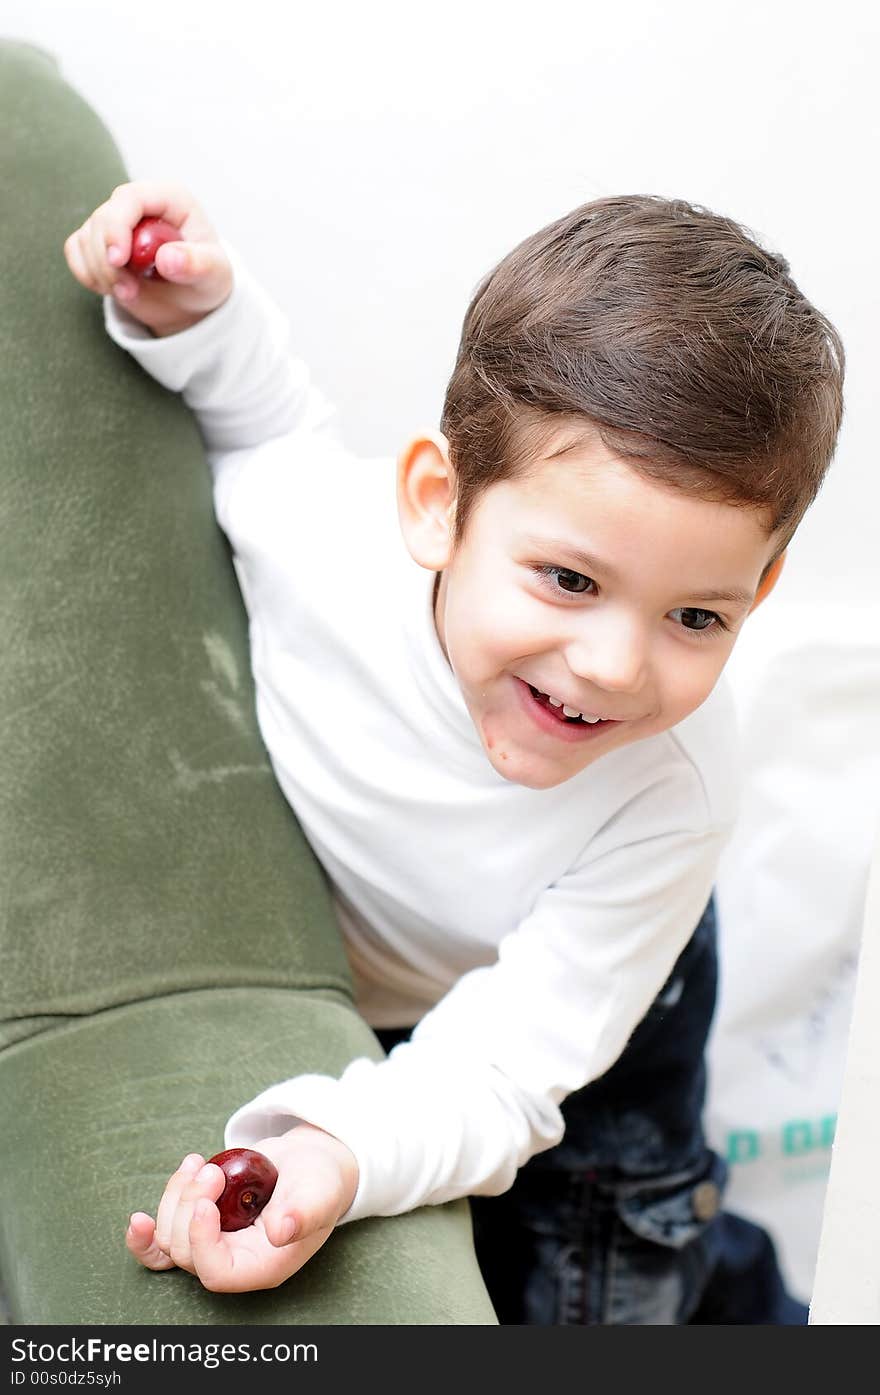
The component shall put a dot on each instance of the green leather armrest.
(168, 945)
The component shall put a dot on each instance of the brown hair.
(680, 340)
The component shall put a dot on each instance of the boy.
(496, 711)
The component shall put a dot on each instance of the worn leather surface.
(168, 946)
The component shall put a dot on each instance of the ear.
(426, 498)
(769, 581)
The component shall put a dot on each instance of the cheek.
(687, 685)
(485, 637)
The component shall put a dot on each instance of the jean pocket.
(673, 1210)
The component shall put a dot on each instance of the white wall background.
(373, 160)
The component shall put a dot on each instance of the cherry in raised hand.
(250, 1181)
(146, 239)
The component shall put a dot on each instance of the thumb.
(186, 263)
(288, 1218)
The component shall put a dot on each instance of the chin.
(525, 771)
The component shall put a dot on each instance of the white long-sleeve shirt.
(525, 931)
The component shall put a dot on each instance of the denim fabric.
(621, 1222)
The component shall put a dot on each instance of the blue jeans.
(621, 1222)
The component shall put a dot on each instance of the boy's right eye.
(564, 579)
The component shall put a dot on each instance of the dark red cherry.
(146, 239)
(250, 1181)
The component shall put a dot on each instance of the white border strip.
(846, 1288)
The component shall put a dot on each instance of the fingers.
(207, 1184)
(74, 258)
(188, 1169)
(144, 198)
(141, 1241)
(97, 251)
(165, 1243)
(97, 237)
(86, 254)
(187, 263)
(213, 1262)
(88, 250)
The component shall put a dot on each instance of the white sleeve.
(476, 1091)
(234, 368)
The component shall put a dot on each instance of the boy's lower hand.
(196, 273)
(317, 1181)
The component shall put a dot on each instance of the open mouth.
(555, 721)
(561, 715)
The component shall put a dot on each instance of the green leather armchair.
(168, 946)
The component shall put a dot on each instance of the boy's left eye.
(694, 618)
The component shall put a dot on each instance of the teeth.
(570, 711)
(573, 712)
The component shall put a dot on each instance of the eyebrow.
(735, 595)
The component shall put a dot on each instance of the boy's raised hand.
(317, 1181)
(197, 275)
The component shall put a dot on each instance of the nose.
(611, 656)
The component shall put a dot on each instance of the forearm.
(476, 1092)
(422, 1130)
(233, 367)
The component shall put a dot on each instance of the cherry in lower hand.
(250, 1181)
(146, 239)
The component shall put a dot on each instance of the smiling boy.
(529, 643)
(487, 675)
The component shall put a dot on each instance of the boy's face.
(582, 583)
